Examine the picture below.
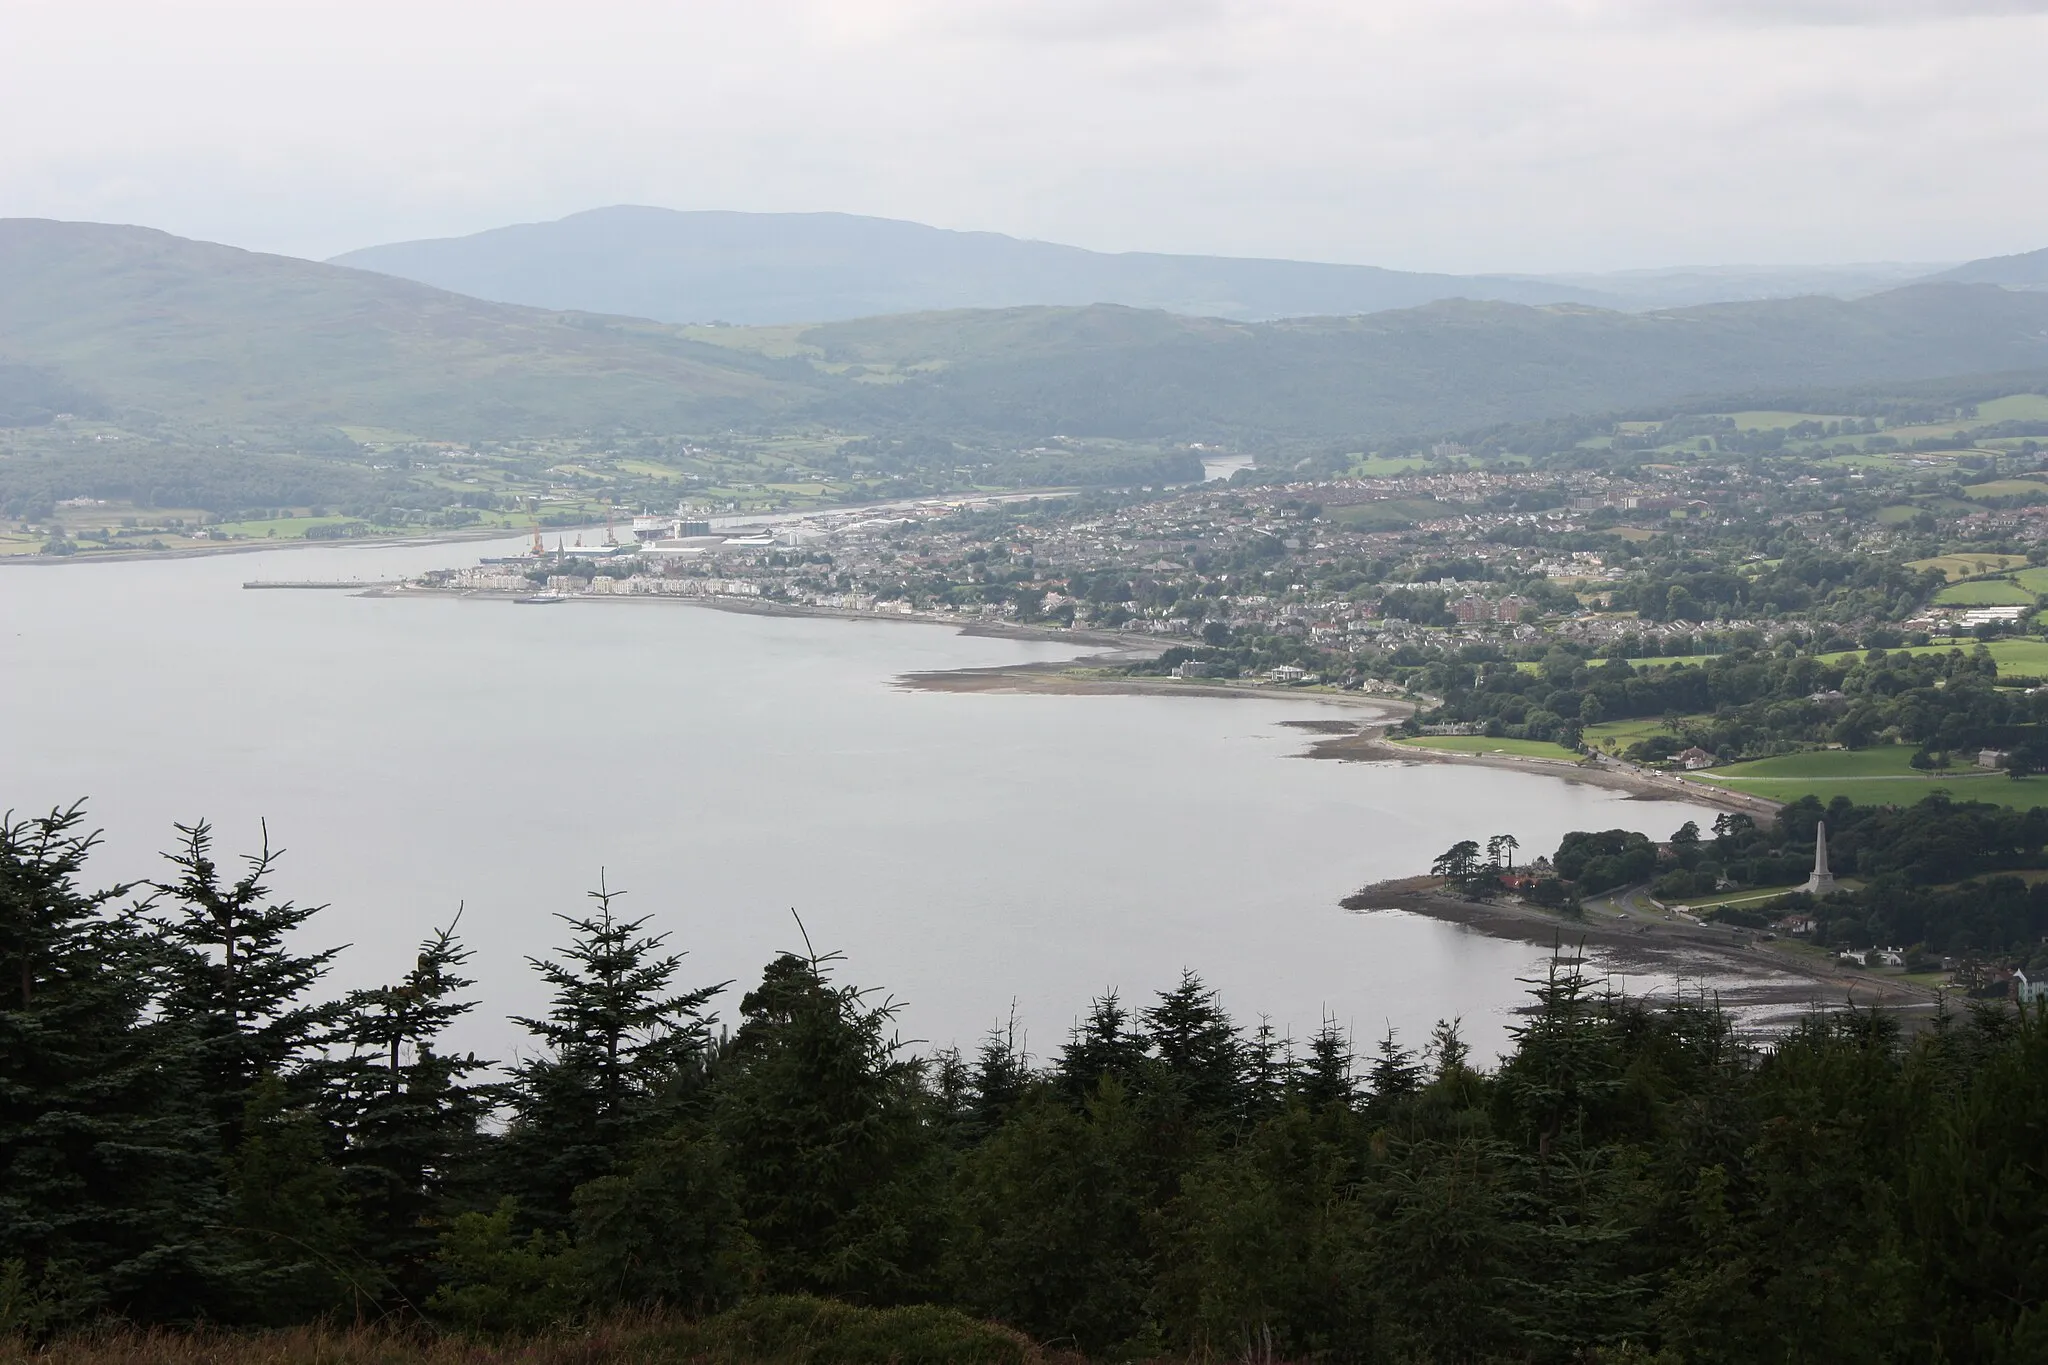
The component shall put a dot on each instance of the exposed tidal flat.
(963, 850)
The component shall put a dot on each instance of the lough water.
(964, 852)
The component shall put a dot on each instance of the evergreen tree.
(1103, 1045)
(234, 984)
(1197, 1046)
(1566, 1063)
(622, 1055)
(668, 1230)
(1324, 1077)
(109, 1174)
(405, 1111)
(1001, 1074)
(287, 1206)
(1395, 1076)
(1268, 1071)
(1051, 1220)
(826, 1126)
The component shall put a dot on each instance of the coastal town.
(1345, 578)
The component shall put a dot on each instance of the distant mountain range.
(2028, 270)
(776, 268)
(205, 338)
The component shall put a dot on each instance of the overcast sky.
(1423, 134)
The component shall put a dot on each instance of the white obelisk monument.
(1822, 881)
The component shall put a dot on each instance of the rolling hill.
(1122, 372)
(2028, 270)
(209, 339)
(775, 268)
(779, 268)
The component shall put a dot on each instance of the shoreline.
(459, 537)
(1644, 938)
(1342, 741)
(1372, 746)
(251, 547)
(1772, 985)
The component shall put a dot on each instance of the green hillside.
(213, 338)
(1130, 374)
(195, 342)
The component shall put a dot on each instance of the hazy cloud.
(1441, 134)
(1861, 11)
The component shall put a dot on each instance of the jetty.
(323, 584)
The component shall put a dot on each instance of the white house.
(2026, 990)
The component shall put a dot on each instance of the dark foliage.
(1628, 1181)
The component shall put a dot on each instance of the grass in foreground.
(792, 1330)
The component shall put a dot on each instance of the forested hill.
(1123, 372)
(213, 339)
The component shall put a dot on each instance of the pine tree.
(1101, 1046)
(408, 1117)
(109, 1174)
(622, 1053)
(1324, 1077)
(1565, 1064)
(1001, 1075)
(1197, 1046)
(235, 986)
(1268, 1068)
(287, 1206)
(1395, 1075)
(825, 1124)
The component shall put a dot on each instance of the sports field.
(1985, 592)
(1878, 776)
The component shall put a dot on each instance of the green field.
(1776, 421)
(1619, 734)
(2033, 580)
(2023, 657)
(1883, 760)
(2023, 794)
(2018, 407)
(1985, 592)
(1385, 466)
(1969, 566)
(1880, 776)
(1480, 744)
(2005, 488)
(1394, 514)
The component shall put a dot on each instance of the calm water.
(962, 851)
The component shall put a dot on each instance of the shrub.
(800, 1330)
